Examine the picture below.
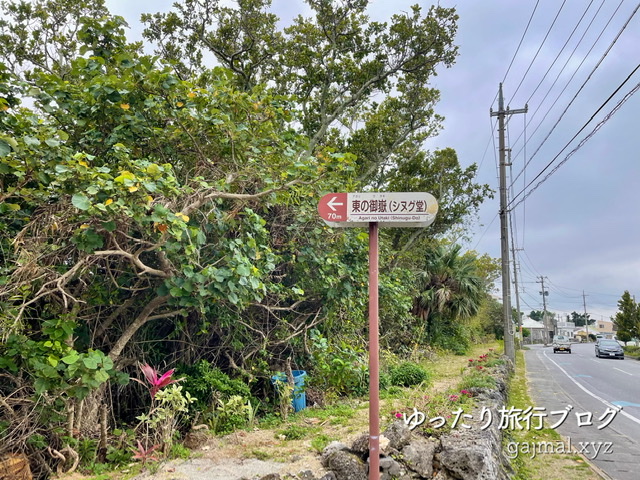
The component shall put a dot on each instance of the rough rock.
(195, 440)
(418, 456)
(361, 444)
(330, 449)
(463, 454)
(306, 475)
(346, 465)
(392, 469)
(398, 434)
(329, 476)
(271, 476)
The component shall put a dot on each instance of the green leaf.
(52, 142)
(154, 170)
(124, 175)
(90, 362)
(53, 360)
(5, 149)
(243, 270)
(109, 226)
(80, 201)
(31, 141)
(107, 363)
(71, 358)
(9, 207)
(41, 386)
(101, 376)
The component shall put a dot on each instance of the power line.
(539, 48)
(561, 50)
(584, 58)
(582, 142)
(583, 84)
(520, 43)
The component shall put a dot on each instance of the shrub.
(385, 380)
(631, 350)
(408, 374)
(477, 379)
(339, 368)
(206, 383)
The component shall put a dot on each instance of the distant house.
(603, 327)
(566, 329)
(536, 328)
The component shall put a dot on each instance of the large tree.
(450, 291)
(362, 86)
(581, 319)
(627, 319)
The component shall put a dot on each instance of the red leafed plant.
(154, 379)
(144, 454)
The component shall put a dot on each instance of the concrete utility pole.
(544, 294)
(515, 286)
(509, 345)
(586, 320)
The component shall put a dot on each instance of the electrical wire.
(604, 55)
(560, 52)
(570, 80)
(539, 48)
(570, 56)
(582, 142)
(521, 40)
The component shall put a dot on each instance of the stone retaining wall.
(463, 454)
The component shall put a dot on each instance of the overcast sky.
(580, 228)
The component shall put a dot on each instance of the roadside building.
(536, 328)
(604, 328)
(565, 328)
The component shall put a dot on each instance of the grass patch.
(319, 442)
(295, 432)
(477, 379)
(261, 454)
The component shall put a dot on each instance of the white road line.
(608, 404)
(616, 368)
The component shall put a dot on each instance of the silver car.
(609, 349)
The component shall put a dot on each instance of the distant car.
(561, 343)
(609, 348)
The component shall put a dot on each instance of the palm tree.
(450, 290)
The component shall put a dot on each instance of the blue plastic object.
(299, 400)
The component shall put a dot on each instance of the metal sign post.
(374, 356)
(379, 209)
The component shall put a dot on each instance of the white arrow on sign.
(332, 204)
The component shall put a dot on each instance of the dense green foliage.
(156, 210)
(408, 374)
(581, 319)
(627, 319)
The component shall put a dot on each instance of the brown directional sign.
(388, 209)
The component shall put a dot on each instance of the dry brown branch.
(135, 260)
(140, 320)
(202, 198)
(63, 460)
(7, 407)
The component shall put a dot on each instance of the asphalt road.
(602, 399)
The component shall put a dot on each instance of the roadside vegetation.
(303, 435)
(539, 466)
